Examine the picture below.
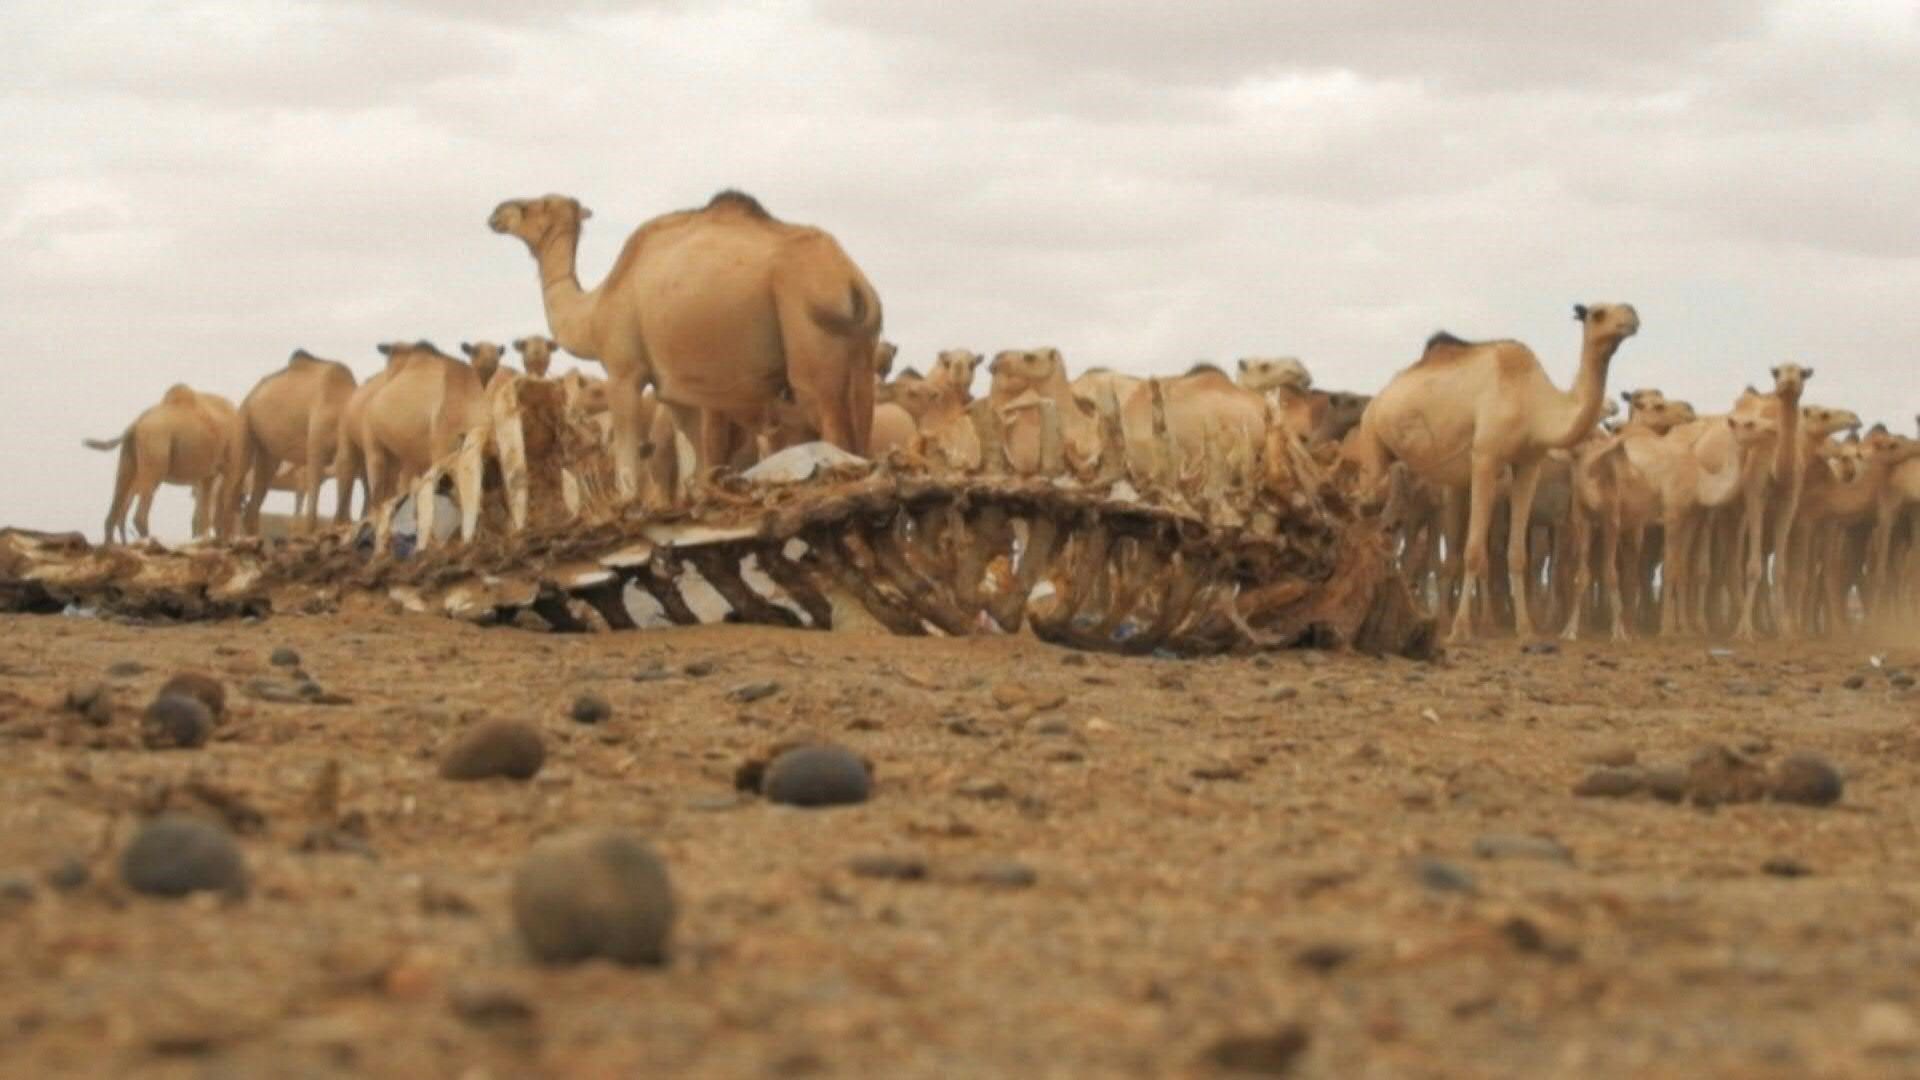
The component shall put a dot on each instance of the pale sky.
(191, 190)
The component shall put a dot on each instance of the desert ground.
(1303, 863)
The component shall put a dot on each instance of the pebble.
(123, 669)
(1781, 866)
(817, 776)
(69, 874)
(93, 701)
(1855, 682)
(202, 687)
(751, 692)
(484, 1005)
(1003, 874)
(1052, 725)
(593, 894)
(1443, 876)
(1718, 774)
(1323, 957)
(590, 709)
(1668, 783)
(700, 669)
(1540, 648)
(175, 855)
(496, 748)
(1610, 783)
(1271, 1054)
(984, 790)
(1520, 846)
(275, 691)
(16, 888)
(1807, 779)
(284, 657)
(1902, 681)
(889, 867)
(175, 722)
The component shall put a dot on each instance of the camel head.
(1883, 447)
(1016, 371)
(1751, 429)
(1821, 422)
(1790, 379)
(919, 397)
(536, 352)
(1263, 373)
(883, 354)
(583, 394)
(485, 358)
(1607, 323)
(1845, 458)
(956, 366)
(536, 221)
(1641, 399)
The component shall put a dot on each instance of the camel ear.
(1580, 312)
(466, 347)
(385, 349)
(1807, 374)
(1243, 363)
(1626, 395)
(585, 213)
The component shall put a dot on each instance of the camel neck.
(1580, 409)
(569, 307)
(1786, 451)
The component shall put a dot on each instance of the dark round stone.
(591, 709)
(175, 722)
(202, 687)
(174, 856)
(284, 657)
(1807, 779)
(1611, 783)
(594, 894)
(496, 748)
(68, 874)
(817, 776)
(1668, 783)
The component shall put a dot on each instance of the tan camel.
(188, 438)
(536, 352)
(350, 446)
(1831, 512)
(954, 369)
(290, 417)
(485, 358)
(894, 428)
(1285, 381)
(1465, 411)
(1773, 485)
(1208, 418)
(884, 353)
(1901, 495)
(1097, 385)
(1022, 378)
(725, 310)
(428, 407)
(888, 391)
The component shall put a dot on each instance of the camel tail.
(103, 444)
(858, 327)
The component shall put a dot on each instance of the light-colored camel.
(1285, 381)
(188, 438)
(1898, 500)
(1021, 378)
(1465, 411)
(290, 417)
(350, 446)
(1832, 513)
(1773, 485)
(725, 310)
(954, 370)
(1097, 385)
(1209, 419)
(888, 390)
(536, 352)
(427, 408)
(485, 357)
(894, 428)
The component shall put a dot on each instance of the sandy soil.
(1227, 858)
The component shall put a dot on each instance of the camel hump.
(736, 199)
(300, 356)
(180, 394)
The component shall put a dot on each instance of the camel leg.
(510, 447)
(1581, 531)
(1785, 586)
(1610, 574)
(1754, 518)
(468, 471)
(1674, 571)
(348, 469)
(1486, 475)
(265, 468)
(426, 499)
(1526, 481)
(627, 406)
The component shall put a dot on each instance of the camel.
(1285, 381)
(894, 428)
(1900, 496)
(485, 358)
(883, 356)
(1021, 378)
(291, 416)
(1777, 482)
(1096, 385)
(1465, 411)
(428, 406)
(725, 310)
(1206, 416)
(1341, 416)
(1831, 512)
(536, 352)
(188, 438)
(954, 369)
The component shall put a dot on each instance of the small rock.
(274, 691)
(1902, 681)
(1668, 783)
(1540, 648)
(16, 889)
(1323, 957)
(201, 687)
(438, 899)
(700, 669)
(984, 790)
(1003, 874)
(1443, 876)
(1521, 846)
(93, 701)
(126, 669)
(1270, 1054)
(1781, 866)
(1610, 783)
(653, 673)
(284, 657)
(751, 692)
(175, 722)
(1718, 774)
(1052, 725)
(174, 855)
(817, 776)
(593, 894)
(1008, 695)
(590, 709)
(69, 874)
(488, 1006)
(497, 748)
(890, 867)
(1855, 682)
(1097, 726)
(1887, 1028)
(1807, 779)
(328, 839)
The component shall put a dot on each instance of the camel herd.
(726, 334)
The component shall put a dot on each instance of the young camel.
(725, 310)
(189, 438)
(1465, 411)
(953, 370)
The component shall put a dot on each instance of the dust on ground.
(1263, 863)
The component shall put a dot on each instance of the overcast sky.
(191, 190)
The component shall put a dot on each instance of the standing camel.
(291, 416)
(1465, 411)
(189, 438)
(726, 311)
